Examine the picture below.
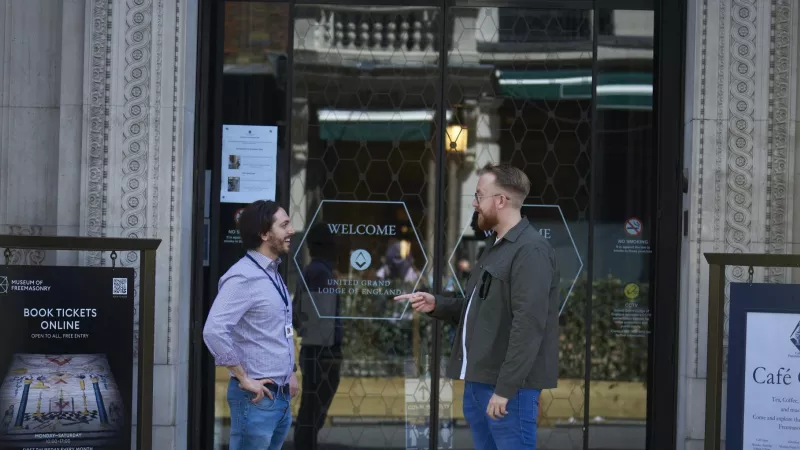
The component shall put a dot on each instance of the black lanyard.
(283, 294)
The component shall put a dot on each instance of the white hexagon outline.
(314, 219)
(569, 233)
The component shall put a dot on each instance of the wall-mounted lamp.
(456, 138)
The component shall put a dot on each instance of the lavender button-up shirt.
(246, 324)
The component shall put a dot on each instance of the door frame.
(670, 32)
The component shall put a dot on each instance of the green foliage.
(377, 348)
(381, 347)
(614, 357)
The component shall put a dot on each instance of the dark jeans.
(320, 367)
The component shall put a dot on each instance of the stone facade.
(741, 96)
(96, 139)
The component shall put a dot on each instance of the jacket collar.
(515, 232)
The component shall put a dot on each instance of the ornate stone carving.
(780, 79)
(156, 99)
(741, 105)
(174, 180)
(715, 199)
(21, 256)
(135, 129)
(699, 185)
(97, 164)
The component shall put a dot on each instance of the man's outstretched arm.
(447, 309)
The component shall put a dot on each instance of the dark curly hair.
(256, 219)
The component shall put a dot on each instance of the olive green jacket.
(512, 329)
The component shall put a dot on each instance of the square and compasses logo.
(3, 285)
(795, 338)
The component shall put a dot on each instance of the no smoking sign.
(633, 227)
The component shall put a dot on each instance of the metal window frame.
(198, 386)
(587, 319)
(670, 41)
(663, 348)
(208, 138)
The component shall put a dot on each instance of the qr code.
(120, 286)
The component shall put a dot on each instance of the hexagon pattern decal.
(376, 253)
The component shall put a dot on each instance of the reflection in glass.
(625, 167)
(520, 90)
(253, 93)
(363, 130)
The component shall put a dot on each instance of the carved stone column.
(299, 206)
(742, 65)
(298, 192)
(483, 147)
(96, 139)
(148, 175)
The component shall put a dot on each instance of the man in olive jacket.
(506, 347)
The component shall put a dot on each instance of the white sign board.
(771, 379)
(249, 163)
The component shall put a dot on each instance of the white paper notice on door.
(249, 163)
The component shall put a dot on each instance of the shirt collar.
(264, 261)
(514, 232)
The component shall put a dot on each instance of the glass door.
(366, 89)
(520, 91)
(383, 114)
(566, 95)
(251, 104)
(623, 222)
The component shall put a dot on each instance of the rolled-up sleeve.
(230, 305)
(531, 273)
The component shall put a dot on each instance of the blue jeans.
(515, 431)
(258, 426)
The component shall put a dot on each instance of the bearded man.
(506, 347)
(249, 331)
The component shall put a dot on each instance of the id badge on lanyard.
(287, 328)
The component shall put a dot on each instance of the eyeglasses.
(478, 198)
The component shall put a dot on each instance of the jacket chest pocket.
(493, 277)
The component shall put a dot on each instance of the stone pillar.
(96, 139)
(298, 206)
(483, 147)
(742, 65)
(31, 45)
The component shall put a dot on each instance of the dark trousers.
(320, 367)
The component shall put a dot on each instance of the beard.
(486, 223)
(276, 245)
